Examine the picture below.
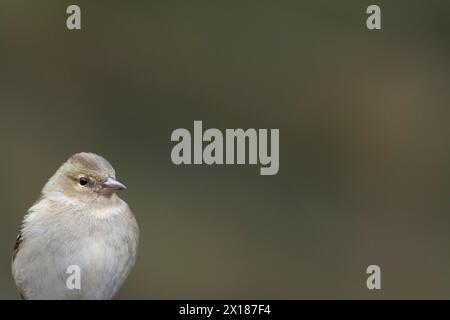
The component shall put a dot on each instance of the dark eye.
(83, 181)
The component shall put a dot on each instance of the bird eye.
(83, 181)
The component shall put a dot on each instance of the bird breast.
(100, 243)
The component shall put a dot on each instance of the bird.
(79, 240)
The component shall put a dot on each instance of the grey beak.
(112, 184)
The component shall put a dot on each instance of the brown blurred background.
(364, 139)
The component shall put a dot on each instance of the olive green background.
(364, 139)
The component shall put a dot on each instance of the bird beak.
(114, 185)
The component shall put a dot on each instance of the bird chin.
(107, 192)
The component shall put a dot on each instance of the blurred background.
(364, 139)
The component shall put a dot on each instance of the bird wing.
(17, 245)
(19, 239)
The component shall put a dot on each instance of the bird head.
(84, 177)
